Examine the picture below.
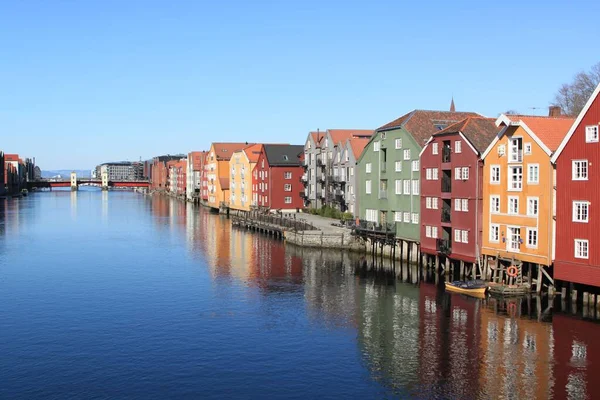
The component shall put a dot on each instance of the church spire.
(452, 107)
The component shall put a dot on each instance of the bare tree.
(571, 97)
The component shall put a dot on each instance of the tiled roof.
(550, 130)
(317, 136)
(253, 152)
(421, 124)
(197, 159)
(283, 154)
(224, 151)
(11, 157)
(357, 145)
(341, 135)
(480, 131)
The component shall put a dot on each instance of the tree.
(571, 97)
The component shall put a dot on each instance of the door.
(513, 239)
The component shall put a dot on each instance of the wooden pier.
(271, 224)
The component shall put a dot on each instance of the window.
(351, 171)
(434, 174)
(407, 154)
(434, 148)
(376, 146)
(434, 232)
(465, 236)
(514, 239)
(495, 174)
(516, 150)
(414, 218)
(513, 205)
(457, 205)
(515, 178)
(465, 173)
(407, 217)
(457, 235)
(457, 173)
(532, 206)
(415, 187)
(428, 231)
(287, 175)
(434, 203)
(368, 168)
(398, 143)
(406, 186)
(428, 202)
(465, 204)
(501, 150)
(533, 173)
(580, 211)
(398, 166)
(398, 184)
(591, 134)
(287, 200)
(428, 174)
(581, 248)
(532, 237)
(398, 216)
(527, 149)
(371, 215)
(457, 146)
(368, 187)
(494, 233)
(287, 187)
(266, 185)
(580, 170)
(415, 165)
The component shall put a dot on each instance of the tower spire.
(452, 107)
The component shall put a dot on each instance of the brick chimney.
(554, 111)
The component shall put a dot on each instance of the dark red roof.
(479, 131)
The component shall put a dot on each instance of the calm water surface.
(117, 295)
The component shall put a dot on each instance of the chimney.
(554, 111)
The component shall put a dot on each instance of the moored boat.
(476, 288)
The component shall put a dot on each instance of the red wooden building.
(276, 179)
(451, 189)
(577, 161)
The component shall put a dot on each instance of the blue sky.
(82, 82)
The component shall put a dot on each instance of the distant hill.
(65, 173)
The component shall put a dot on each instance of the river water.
(119, 295)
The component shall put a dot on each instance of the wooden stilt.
(539, 279)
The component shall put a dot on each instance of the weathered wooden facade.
(577, 162)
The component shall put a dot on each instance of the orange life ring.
(512, 271)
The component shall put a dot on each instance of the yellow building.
(218, 173)
(518, 189)
(241, 165)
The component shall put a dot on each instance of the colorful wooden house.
(451, 189)
(577, 162)
(242, 164)
(518, 181)
(218, 172)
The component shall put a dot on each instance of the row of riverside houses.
(15, 173)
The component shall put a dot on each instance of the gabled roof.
(317, 137)
(341, 135)
(253, 152)
(283, 154)
(479, 131)
(547, 132)
(421, 124)
(576, 123)
(357, 145)
(224, 151)
(11, 157)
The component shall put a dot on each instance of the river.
(119, 295)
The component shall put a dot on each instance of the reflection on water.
(319, 320)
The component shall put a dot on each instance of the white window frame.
(527, 149)
(535, 167)
(434, 232)
(434, 203)
(513, 200)
(457, 173)
(510, 178)
(368, 186)
(407, 217)
(457, 236)
(397, 216)
(464, 236)
(398, 166)
(457, 205)
(580, 253)
(584, 205)
(398, 143)
(458, 146)
(415, 166)
(287, 200)
(592, 133)
(494, 233)
(415, 187)
(287, 187)
(465, 205)
(428, 231)
(434, 174)
(428, 201)
(434, 148)
(495, 204)
(577, 165)
(406, 154)
(428, 173)
(529, 244)
(493, 169)
(406, 185)
(398, 186)
(287, 175)
(368, 168)
(465, 173)
(530, 201)
(376, 146)
(414, 218)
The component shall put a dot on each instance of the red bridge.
(85, 182)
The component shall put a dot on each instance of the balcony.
(446, 181)
(363, 226)
(444, 246)
(446, 154)
(446, 214)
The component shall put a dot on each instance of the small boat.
(24, 192)
(476, 288)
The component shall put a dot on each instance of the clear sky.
(83, 82)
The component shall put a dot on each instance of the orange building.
(518, 190)
(218, 172)
(242, 164)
